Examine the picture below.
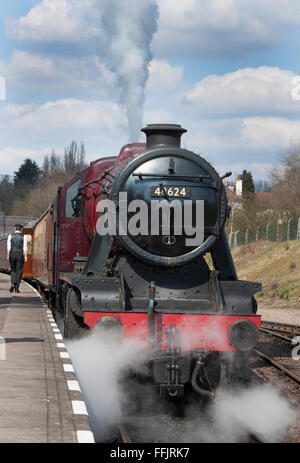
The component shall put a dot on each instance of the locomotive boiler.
(168, 280)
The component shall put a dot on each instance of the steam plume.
(130, 26)
(100, 366)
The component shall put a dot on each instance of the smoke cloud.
(230, 416)
(130, 27)
(100, 366)
(262, 409)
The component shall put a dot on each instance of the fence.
(278, 232)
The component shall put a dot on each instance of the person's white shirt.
(9, 242)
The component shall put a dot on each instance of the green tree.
(27, 175)
(39, 186)
(7, 195)
(248, 184)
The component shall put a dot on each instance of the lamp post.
(289, 230)
(232, 215)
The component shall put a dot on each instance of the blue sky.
(98, 70)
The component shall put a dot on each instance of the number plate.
(171, 191)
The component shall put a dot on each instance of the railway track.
(292, 330)
(279, 366)
(275, 363)
(279, 336)
(273, 329)
(253, 436)
(132, 432)
(256, 438)
(125, 434)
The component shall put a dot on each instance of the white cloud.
(102, 125)
(248, 91)
(34, 74)
(65, 114)
(205, 27)
(11, 157)
(118, 31)
(255, 142)
(11, 111)
(68, 21)
(230, 144)
(159, 116)
(271, 132)
(164, 77)
(222, 27)
(37, 130)
(258, 170)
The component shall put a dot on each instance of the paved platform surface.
(280, 315)
(40, 397)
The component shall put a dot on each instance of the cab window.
(73, 200)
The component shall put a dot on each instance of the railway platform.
(40, 397)
(280, 315)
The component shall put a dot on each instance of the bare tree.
(74, 158)
(55, 162)
(46, 167)
(286, 184)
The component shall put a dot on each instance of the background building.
(7, 223)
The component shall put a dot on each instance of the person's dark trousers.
(16, 260)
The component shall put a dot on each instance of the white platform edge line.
(79, 406)
(73, 385)
(61, 345)
(68, 367)
(85, 437)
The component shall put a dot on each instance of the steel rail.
(253, 435)
(279, 366)
(277, 330)
(281, 327)
(124, 436)
(276, 335)
(258, 438)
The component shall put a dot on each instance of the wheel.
(73, 320)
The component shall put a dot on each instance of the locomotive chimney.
(159, 135)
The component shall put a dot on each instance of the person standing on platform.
(16, 254)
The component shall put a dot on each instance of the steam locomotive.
(179, 297)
